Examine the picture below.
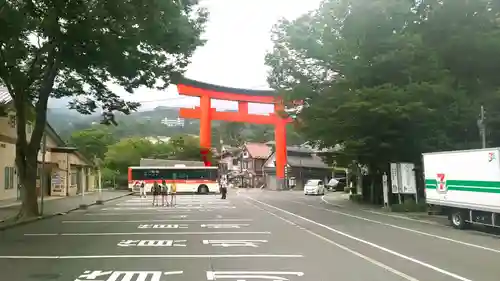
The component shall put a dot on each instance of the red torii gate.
(206, 113)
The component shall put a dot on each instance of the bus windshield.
(168, 174)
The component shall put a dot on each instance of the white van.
(316, 187)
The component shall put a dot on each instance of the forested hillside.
(149, 124)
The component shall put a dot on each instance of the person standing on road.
(223, 191)
(142, 189)
(173, 191)
(164, 193)
(155, 191)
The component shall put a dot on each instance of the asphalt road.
(251, 236)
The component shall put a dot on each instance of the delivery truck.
(465, 185)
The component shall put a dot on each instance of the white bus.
(188, 179)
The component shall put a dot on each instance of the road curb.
(28, 221)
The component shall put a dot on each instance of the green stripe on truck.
(467, 185)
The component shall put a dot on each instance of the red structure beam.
(195, 113)
(197, 92)
(206, 114)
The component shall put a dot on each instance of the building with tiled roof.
(66, 171)
(302, 164)
(252, 158)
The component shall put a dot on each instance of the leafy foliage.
(391, 79)
(129, 151)
(75, 48)
(93, 143)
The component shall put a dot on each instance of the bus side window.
(181, 175)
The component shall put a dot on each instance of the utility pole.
(482, 126)
(42, 172)
(97, 162)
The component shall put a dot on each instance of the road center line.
(405, 229)
(424, 264)
(375, 262)
(138, 221)
(146, 233)
(152, 256)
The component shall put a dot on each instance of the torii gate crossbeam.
(206, 113)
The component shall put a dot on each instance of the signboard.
(408, 184)
(56, 178)
(394, 178)
(385, 188)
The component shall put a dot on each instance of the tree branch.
(30, 75)
(6, 78)
(20, 105)
(48, 79)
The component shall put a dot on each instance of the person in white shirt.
(142, 189)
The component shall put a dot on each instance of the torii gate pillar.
(280, 144)
(205, 122)
(206, 114)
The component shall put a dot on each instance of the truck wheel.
(457, 219)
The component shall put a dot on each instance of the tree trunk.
(27, 170)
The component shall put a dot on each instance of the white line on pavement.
(166, 209)
(404, 228)
(146, 233)
(157, 209)
(383, 214)
(424, 264)
(152, 256)
(133, 213)
(177, 203)
(375, 262)
(135, 221)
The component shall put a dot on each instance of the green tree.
(185, 147)
(231, 133)
(109, 177)
(93, 142)
(75, 48)
(128, 152)
(380, 80)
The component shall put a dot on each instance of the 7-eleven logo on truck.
(441, 183)
(491, 156)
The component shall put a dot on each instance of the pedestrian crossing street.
(182, 202)
(201, 237)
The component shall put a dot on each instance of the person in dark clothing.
(223, 191)
(156, 192)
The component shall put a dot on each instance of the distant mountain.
(154, 123)
(145, 123)
(141, 123)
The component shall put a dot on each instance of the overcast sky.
(238, 37)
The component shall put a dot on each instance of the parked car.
(337, 184)
(315, 187)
